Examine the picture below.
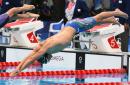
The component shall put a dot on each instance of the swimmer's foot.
(121, 14)
(27, 7)
(114, 20)
(32, 15)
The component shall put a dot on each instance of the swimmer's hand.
(14, 73)
(27, 7)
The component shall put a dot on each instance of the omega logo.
(80, 59)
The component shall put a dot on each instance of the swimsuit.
(81, 25)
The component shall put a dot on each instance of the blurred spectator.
(123, 5)
(97, 6)
(58, 10)
(89, 3)
(49, 10)
(43, 9)
(76, 9)
(101, 5)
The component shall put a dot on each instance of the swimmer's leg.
(111, 20)
(103, 15)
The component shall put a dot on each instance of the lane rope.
(65, 76)
(104, 83)
(68, 72)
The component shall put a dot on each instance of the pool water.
(60, 79)
(41, 80)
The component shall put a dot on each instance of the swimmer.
(59, 41)
(4, 18)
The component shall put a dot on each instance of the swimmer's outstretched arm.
(26, 61)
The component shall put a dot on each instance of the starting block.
(102, 38)
(22, 32)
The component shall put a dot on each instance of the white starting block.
(102, 38)
(22, 32)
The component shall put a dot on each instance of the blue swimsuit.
(81, 25)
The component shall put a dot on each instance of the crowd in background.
(55, 10)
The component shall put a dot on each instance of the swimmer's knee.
(37, 48)
(49, 42)
(41, 51)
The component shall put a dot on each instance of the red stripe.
(67, 72)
